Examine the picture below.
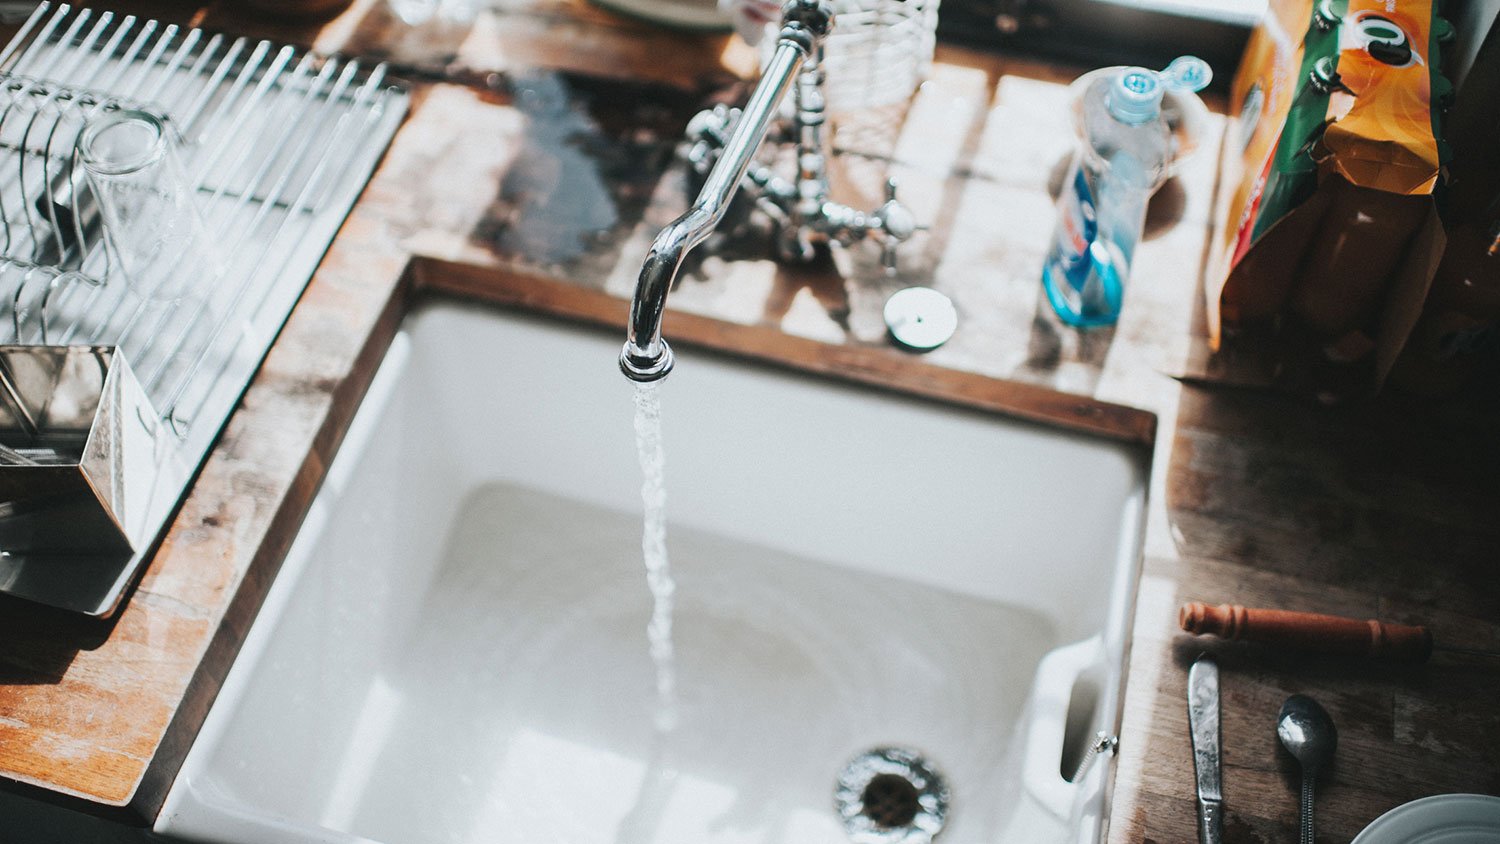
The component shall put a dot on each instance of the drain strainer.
(891, 795)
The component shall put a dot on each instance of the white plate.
(1441, 819)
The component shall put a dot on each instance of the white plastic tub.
(455, 649)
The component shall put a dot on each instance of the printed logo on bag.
(1383, 39)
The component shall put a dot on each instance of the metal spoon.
(1308, 734)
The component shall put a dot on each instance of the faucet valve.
(896, 223)
(707, 133)
(800, 206)
(807, 20)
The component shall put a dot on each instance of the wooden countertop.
(1385, 509)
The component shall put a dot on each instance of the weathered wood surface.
(1379, 510)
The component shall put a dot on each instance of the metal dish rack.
(277, 144)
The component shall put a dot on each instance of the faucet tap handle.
(713, 124)
(706, 135)
(896, 223)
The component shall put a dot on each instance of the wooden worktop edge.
(265, 562)
(877, 367)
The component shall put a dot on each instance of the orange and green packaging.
(1328, 217)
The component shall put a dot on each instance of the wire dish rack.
(275, 144)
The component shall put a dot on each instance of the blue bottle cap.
(1187, 73)
(1135, 95)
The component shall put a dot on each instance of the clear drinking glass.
(153, 228)
(877, 54)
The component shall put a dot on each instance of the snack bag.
(1329, 218)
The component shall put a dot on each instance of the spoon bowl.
(1307, 732)
(1309, 735)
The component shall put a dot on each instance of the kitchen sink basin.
(455, 648)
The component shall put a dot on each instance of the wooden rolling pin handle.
(1328, 634)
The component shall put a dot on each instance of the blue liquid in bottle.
(1123, 157)
(1082, 275)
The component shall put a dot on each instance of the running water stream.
(648, 443)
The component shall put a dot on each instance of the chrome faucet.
(723, 145)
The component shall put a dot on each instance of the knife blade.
(1203, 719)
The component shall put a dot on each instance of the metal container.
(81, 450)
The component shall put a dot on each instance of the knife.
(1203, 718)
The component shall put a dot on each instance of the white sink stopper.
(920, 318)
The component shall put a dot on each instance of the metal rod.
(28, 207)
(92, 76)
(170, 72)
(194, 111)
(15, 458)
(50, 179)
(81, 54)
(40, 42)
(138, 44)
(15, 402)
(25, 30)
(144, 68)
(242, 141)
(240, 111)
(190, 115)
(55, 48)
(298, 206)
(292, 124)
(366, 98)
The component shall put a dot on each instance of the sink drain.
(891, 795)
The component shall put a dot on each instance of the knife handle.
(1328, 634)
(1210, 822)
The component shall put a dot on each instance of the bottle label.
(1079, 226)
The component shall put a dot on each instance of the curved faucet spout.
(646, 356)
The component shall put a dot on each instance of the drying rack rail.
(276, 144)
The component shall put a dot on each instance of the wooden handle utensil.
(1328, 634)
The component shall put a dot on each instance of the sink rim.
(880, 368)
(1124, 570)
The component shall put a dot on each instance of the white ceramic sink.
(455, 649)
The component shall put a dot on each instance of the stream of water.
(648, 443)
